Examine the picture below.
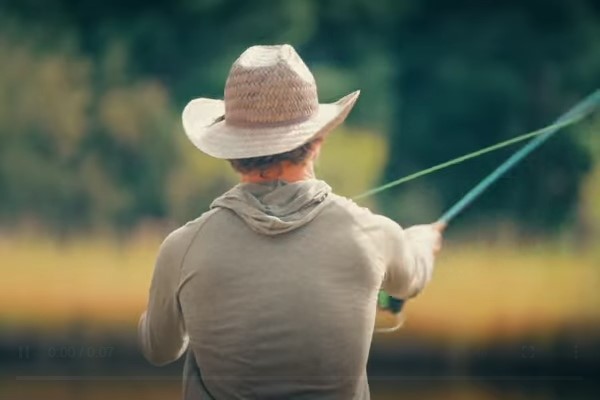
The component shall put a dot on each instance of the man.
(274, 289)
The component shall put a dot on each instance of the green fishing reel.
(388, 303)
(393, 306)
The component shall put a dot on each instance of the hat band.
(275, 124)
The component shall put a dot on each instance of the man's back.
(276, 288)
(284, 314)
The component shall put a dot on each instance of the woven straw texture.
(270, 106)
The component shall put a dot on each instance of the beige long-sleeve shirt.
(274, 291)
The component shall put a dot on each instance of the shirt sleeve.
(409, 258)
(161, 329)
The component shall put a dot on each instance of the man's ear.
(316, 148)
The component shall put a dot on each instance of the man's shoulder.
(186, 233)
(360, 215)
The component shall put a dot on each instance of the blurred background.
(95, 170)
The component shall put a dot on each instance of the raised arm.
(410, 255)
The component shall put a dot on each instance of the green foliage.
(43, 101)
(351, 161)
(82, 152)
(90, 95)
(588, 215)
(195, 183)
(472, 78)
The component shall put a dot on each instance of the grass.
(478, 292)
(490, 292)
(95, 280)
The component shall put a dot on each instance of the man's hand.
(427, 235)
(439, 228)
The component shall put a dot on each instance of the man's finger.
(439, 226)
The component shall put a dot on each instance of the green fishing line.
(464, 158)
(574, 115)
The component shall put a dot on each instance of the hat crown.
(269, 85)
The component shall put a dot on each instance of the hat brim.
(205, 126)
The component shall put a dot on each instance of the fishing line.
(581, 110)
(465, 157)
(577, 113)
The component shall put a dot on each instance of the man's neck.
(287, 172)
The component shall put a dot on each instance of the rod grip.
(389, 303)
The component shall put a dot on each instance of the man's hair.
(264, 163)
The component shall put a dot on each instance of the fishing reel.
(393, 306)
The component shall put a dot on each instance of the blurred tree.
(588, 227)
(363, 149)
(43, 101)
(90, 94)
(474, 73)
(77, 148)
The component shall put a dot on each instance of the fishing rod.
(578, 112)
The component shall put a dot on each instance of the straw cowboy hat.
(271, 106)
